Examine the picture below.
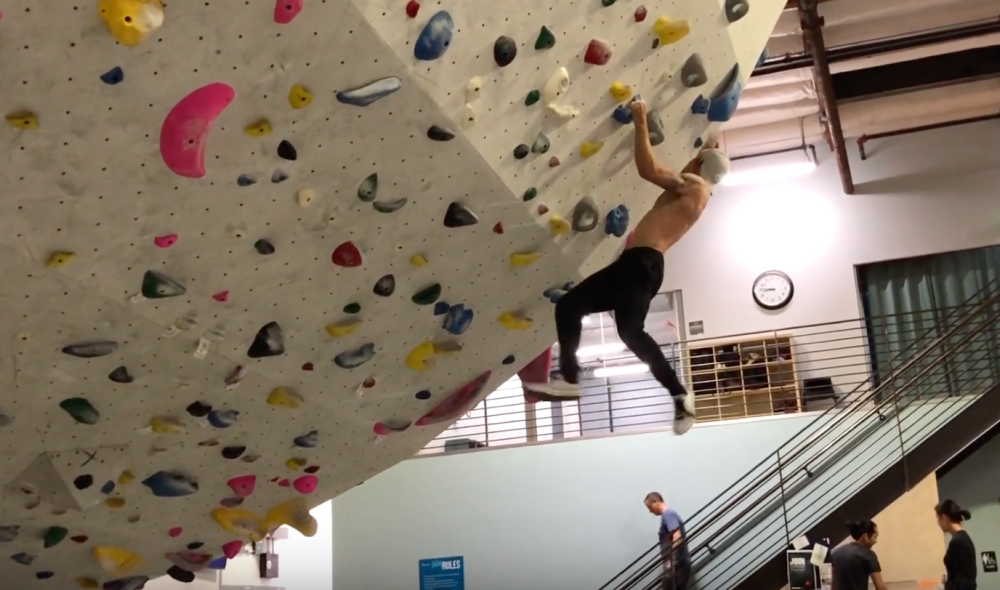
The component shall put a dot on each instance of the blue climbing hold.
(363, 96)
(698, 143)
(170, 484)
(24, 558)
(622, 114)
(108, 487)
(700, 105)
(307, 441)
(223, 418)
(726, 97)
(219, 563)
(616, 223)
(434, 40)
(113, 76)
(762, 58)
(441, 308)
(350, 359)
(458, 319)
(555, 294)
(9, 532)
(246, 180)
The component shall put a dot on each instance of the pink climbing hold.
(284, 483)
(285, 11)
(242, 485)
(221, 296)
(165, 241)
(347, 255)
(186, 128)
(457, 403)
(232, 549)
(306, 484)
(385, 429)
(175, 532)
(412, 8)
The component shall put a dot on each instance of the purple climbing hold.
(170, 484)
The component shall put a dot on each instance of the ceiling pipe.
(812, 33)
(966, 121)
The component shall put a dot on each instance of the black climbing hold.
(269, 341)
(458, 215)
(195, 546)
(656, 42)
(736, 9)
(521, 152)
(424, 394)
(427, 295)
(44, 575)
(286, 151)
(504, 51)
(385, 286)
(352, 308)
(83, 482)
(233, 452)
(121, 375)
(199, 409)
(246, 180)
(160, 286)
(698, 143)
(438, 133)
(113, 76)
(508, 360)
(263, 247)
(546, 39)
(90, 350)
(279, 176)
(180, 574)
(532, 98)
(108, 487)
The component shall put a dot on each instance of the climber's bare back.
(676, 210)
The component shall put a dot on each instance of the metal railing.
(951, 365)
(830, 363)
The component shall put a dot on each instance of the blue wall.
(553, 516)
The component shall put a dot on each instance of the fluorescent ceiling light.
(599, 349)
(768, 174)
(621, 370)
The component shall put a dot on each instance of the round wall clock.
(773, 290)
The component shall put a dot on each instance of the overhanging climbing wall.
(255, 253)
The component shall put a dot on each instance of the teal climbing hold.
(90, 350)
(736, 9)
(428, 295)
(113, 76)
(354, 358)
(80, 410)
(530, 194)
(368, 189)
(435, 38)
(54, 535)
(363, 96)
(159, 286)
(655, 125)
(585, 215)
(693, 72)
(389, 206)
(352, 308)
(726, 97)
(532, 98)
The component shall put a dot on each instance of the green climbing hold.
(159, 286)
(54, 536)
(545, 40)
(530, 194)
(427, 296)
(80, 410)
(369, 188)
(532, 98)
(608, 2)
(352, 308)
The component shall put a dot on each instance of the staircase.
(852, 461)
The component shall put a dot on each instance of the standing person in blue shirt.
(673, 543)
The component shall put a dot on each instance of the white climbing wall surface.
(254, 253)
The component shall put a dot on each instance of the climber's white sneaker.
(684, 414)
(555, 391)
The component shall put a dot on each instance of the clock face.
(773, 290)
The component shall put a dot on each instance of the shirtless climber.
(629, 283)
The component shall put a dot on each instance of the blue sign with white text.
(442, 573)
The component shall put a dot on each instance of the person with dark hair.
(673, 543)
(854, 563)
(960, 558)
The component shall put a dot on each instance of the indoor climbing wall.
(255, 253)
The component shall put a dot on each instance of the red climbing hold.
(498, 228)
(640, 14)
(284, 483)
(347, 254)
(542, 209)
(598, 53)
(285, 11)
(232, 549)
(175, 532)
(311, 469)
(412, 7)
(307, 367)
(368, 383)
(79, 539)
(221, 296)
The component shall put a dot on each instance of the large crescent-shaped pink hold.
(186, 128)
(285, 11)
(457, 403)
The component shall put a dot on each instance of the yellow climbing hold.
(295, 463)
(589, 148)
(88, 583)
(114, 502)
(343, 328)
(620, 92)
(164, 425)
(23, 120)
(670, 31)
(259, 128)
(421, 354)
(519, 259)
(294, 513)
(57, 259)
(131, 21)
(558, 226)
(240, 522)
(116, 561)
(512, 322)
(125, 478)
(418, 260)
(283, 398)
(299, 97)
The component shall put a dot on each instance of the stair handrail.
(874, 392)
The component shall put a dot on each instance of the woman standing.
(960, 558)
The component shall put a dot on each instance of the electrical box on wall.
(267, 565)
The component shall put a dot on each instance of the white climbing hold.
(468, 117)
(305, 197)
(555, 87)
(473, 88)
(564, 111)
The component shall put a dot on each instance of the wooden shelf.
(745, 377)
